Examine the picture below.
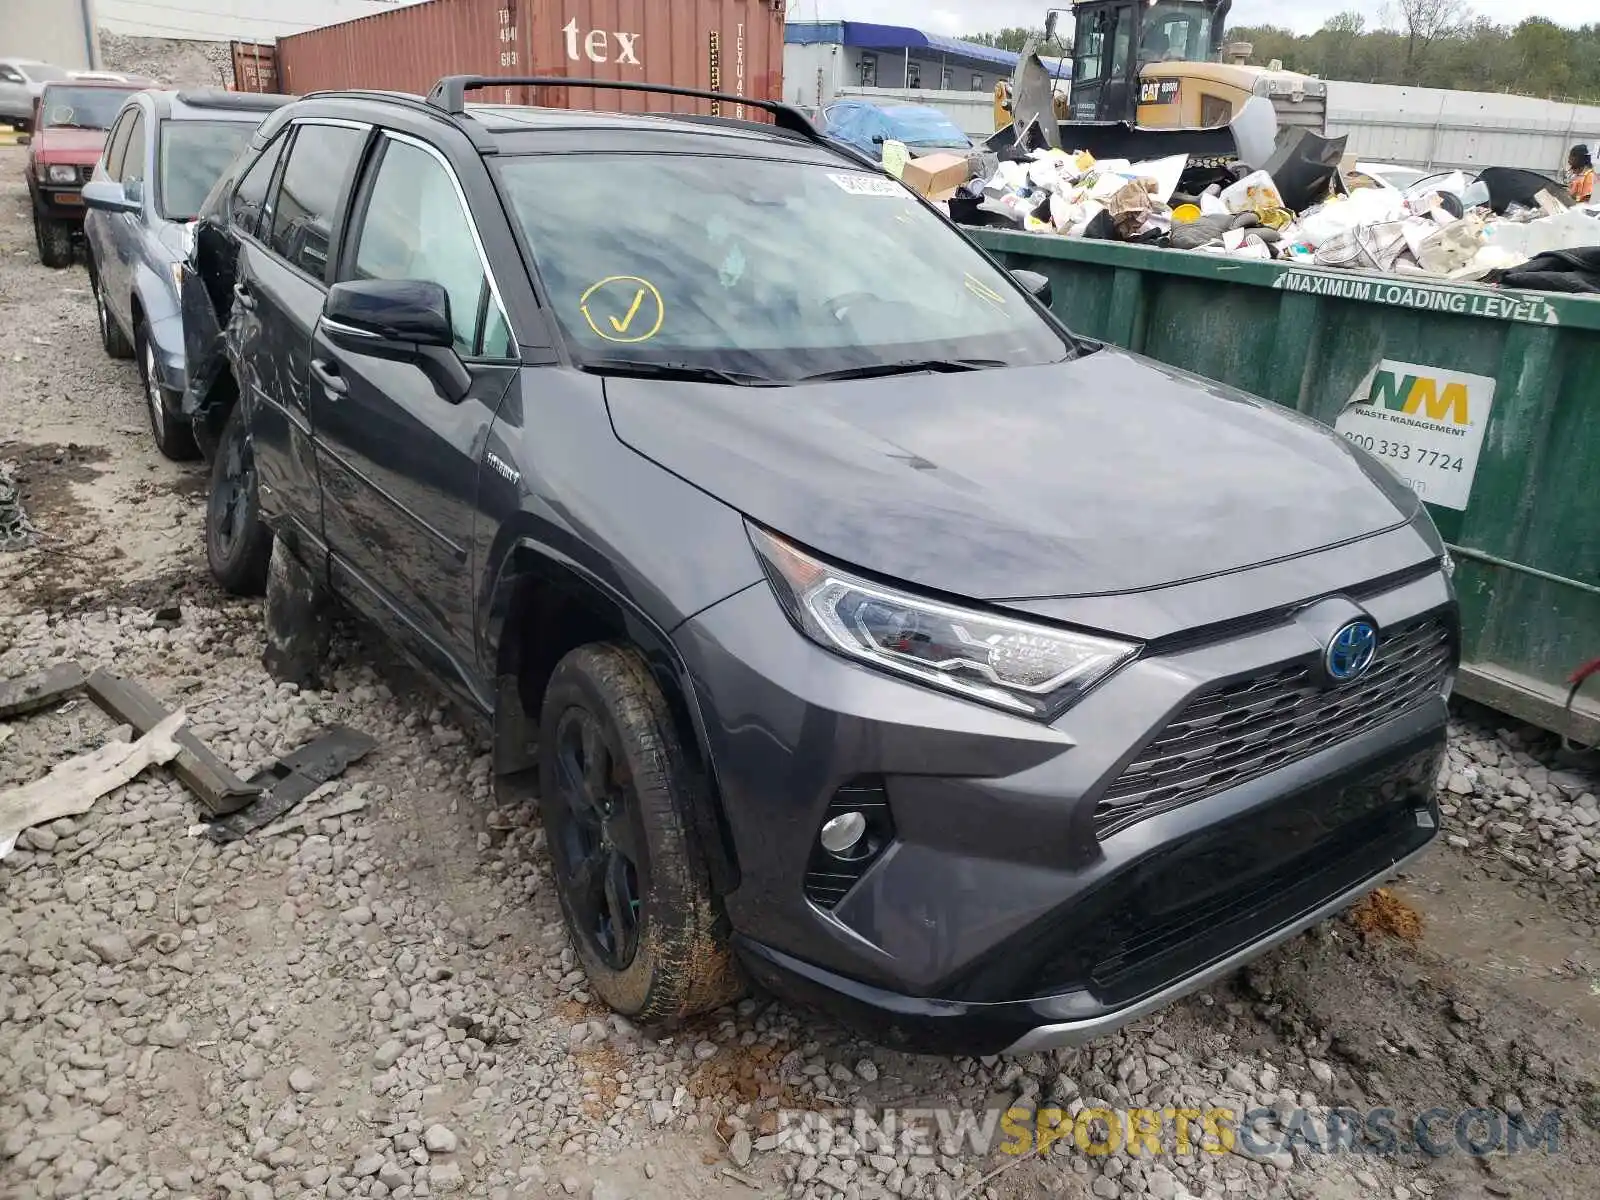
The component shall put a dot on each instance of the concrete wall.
(1425, 127)
(54, 31)
(228, 20)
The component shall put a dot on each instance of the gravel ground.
(381, 1002)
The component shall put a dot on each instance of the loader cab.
(1115, 41)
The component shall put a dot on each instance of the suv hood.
(79, 146)
(1104, 474)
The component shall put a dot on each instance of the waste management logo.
(1425, 423)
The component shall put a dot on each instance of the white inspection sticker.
(1426, 425)
(868, 185)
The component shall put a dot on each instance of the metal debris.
(30, 693)
(220, 791)
(16, 531)
(293, 778)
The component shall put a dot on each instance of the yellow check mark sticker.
(633, 311)
(624, 308)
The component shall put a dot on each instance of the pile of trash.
(1510, 227)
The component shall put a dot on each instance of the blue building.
(825, 59)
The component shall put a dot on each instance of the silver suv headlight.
(1019, 666)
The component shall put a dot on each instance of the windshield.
(1176, 32)
(193, 156)
(772, 270)
(81, 107)
(42, 72)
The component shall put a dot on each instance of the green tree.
(1012, 39)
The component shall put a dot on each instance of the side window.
(117, 144)
(250, 197)
(131, 167)
(320, 163)
(416, 228)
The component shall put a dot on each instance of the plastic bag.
(1369, 206)
(1256, 192)
(1369, 248)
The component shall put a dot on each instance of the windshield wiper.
(915, 366)
(659, 370)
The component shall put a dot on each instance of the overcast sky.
(972, 16)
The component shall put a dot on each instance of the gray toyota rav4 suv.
(859, 630)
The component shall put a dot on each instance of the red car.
(70, 120)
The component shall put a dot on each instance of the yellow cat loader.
(1160, 64)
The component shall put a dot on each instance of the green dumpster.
(1487, 401)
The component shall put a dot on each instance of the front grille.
(1247, 729)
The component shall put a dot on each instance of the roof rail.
(449, 95)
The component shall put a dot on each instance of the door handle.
(328, 376)
(244, 296)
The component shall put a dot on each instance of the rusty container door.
(736, 45)
(255, 67)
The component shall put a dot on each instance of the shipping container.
(1483, 399)
(732, 46)
(255, 67)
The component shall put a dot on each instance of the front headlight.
(1015, 665)
(63, 174)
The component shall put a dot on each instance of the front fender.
(156, 298)
(526, 559)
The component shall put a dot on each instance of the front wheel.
(238, 542)
(173, 436)
(615, 791)
(55, 240)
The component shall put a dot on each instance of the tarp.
(920, 128)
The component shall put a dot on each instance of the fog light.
(843, 833)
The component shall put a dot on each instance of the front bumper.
(1000, 915)
(59, 202)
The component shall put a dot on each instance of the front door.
(116, 259)
(279, 291)
(399, 461)
(1104, 65)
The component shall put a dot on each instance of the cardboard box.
(936, 176)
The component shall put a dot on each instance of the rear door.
(99, 226)
(399, 462)
(278, 293)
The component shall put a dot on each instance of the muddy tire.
(616, 790)
(54, 239)
(238, 542)
(168, 427)
(116, 342)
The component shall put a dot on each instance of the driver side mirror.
(108, 195)
(1050, 25)
(400, 320)
(1036, 285)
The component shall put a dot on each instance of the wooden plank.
(219, 790)
(30, 693)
